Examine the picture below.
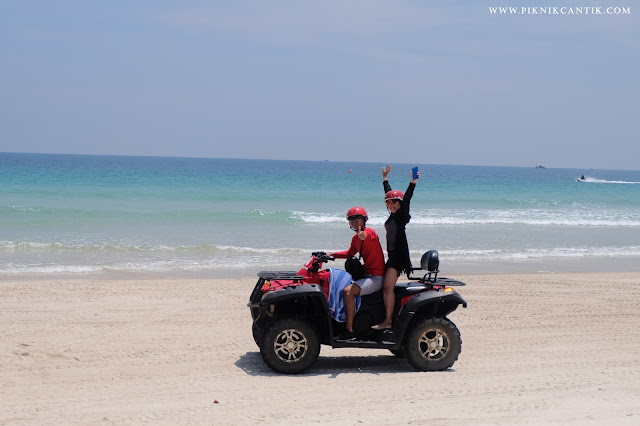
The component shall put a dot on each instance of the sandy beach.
(537, 349)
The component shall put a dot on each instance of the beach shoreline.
(537, 348)
(608, 264)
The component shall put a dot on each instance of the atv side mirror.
(430, 261)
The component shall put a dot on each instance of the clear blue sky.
(436, 82)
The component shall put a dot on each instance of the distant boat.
(540, 167)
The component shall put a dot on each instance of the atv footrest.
(364, 344)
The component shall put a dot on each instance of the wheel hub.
(290, 345)
(433, 345)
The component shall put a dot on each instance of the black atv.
(291, 318)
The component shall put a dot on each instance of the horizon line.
(301, 160)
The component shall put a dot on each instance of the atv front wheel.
(398, 353)
(289, 345)
(257, 333)
(433, 345)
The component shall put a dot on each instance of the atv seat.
(408, 289)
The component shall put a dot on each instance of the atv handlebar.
(322, 256)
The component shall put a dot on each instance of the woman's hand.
(385, 171)
(416, 179)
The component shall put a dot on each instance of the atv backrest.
(430, 261)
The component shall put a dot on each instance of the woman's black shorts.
(398, 263)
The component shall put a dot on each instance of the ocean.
(86, 216)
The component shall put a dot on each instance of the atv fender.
(292, 292)
(306, 300)
(429, 304)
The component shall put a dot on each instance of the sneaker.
(346, 335)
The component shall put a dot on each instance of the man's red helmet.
(357, 211)
(394, 194)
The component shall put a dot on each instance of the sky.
(424, 81)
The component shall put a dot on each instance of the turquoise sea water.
(79, 215)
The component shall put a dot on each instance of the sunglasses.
(387, 202)
(354, 218)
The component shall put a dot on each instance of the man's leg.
(350, 293)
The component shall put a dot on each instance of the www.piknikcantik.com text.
(559, 10)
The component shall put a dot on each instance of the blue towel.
(338, 280)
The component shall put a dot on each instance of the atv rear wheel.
(433, 345)
(289, 345)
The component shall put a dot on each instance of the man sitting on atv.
(367, 243)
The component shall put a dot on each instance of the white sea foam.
(529, 217)
(554, 252)
(318, 217)
(32, 246)
(243, 259)
(594, 180)
(19, 269)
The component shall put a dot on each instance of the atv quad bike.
(291, 318)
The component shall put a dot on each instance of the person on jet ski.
(581, 177)
(398, 261)
(367, 243)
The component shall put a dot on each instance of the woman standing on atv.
(367, 243)
(398, 260)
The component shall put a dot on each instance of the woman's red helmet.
(357, 211)
(394, 194)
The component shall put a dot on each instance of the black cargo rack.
(448, 282)
(265, 276)
(281, 275)
(431, 278)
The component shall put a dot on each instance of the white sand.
(545, 348)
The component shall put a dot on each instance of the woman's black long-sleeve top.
(397, 245)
